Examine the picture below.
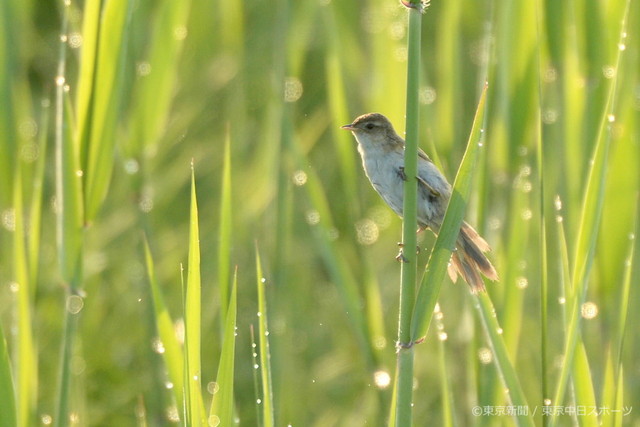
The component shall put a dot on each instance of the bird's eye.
(369, 126)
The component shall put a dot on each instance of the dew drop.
(382, 379)
(589, 310)
(485, 356)
(213, 387)
(75, 304)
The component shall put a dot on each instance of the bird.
(382, 153)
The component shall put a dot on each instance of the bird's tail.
(469, 260)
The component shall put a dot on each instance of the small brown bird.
(382, 152)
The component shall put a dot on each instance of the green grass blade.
(448, 404)
(25, 355)
(106, 100)
(506, 369)
(192, 319)
(86, 76)
(148, 118)
(69, 224)
(68, 188)
(591, 213)
(224, 243)
(256, 380)
(35, 211)
(441, 253)
(583, 385)
(172, 355)
(9, 59)
(268, 415)
(221, 412)
(8, 415)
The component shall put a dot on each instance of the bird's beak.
(348, 127)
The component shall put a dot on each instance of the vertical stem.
(409, 268)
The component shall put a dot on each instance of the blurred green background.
(277, 79)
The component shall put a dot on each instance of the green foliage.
(139, 89)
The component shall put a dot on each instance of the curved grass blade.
(505, 368)
(441, 253)
(86, 76)
(105, 106)
(268, 419)
(221, 412)
(172, 355)
(147, 119)
(192, 319)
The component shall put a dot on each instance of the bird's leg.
(400, 257)
(401, 173)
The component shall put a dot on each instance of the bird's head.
(374, 130)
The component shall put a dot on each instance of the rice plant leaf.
(147, 119)
(68, 192)
(222, 402)
(589, 226)
(86, 76)
(224, 243)
(583, 385)
(10, 54)
(192, 323)
(8, 415)
(339, 269)
(437, 266)
(505, 367)
(268, 418)
(173, 356)
(105, 106)
(35, 211)
(26, 357)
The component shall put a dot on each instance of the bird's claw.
(401, 258)
(401, 173)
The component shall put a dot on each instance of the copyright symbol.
(476, 410)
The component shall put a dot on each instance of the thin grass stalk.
(409, 271)
(8, 415)
(508, 375)
(268, 416)
(542, 230)
(224, 231)
(69, 231)
(256, 381)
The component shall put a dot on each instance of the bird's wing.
(423, 155)
(428, 187)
